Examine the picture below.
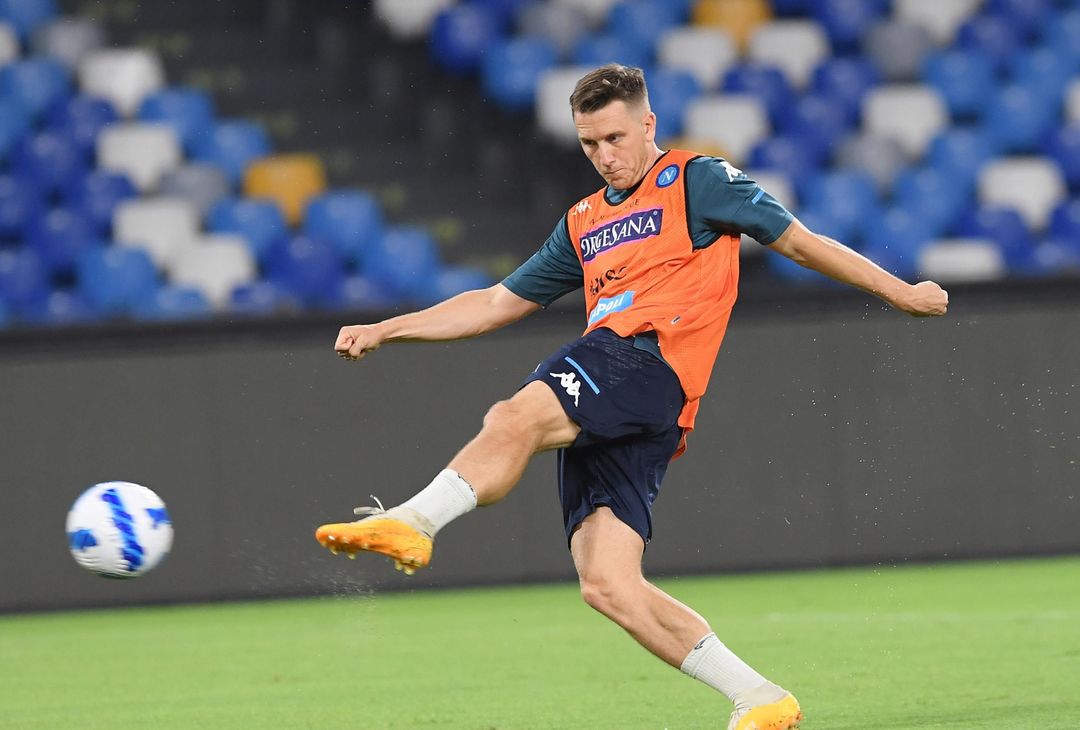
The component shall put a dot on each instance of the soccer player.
(657, 250)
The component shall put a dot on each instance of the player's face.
(618, 140)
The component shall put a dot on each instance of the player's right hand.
(355, 341)
(927, 299)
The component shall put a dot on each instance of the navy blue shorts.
(627, 402)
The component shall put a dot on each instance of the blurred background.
(195, 195)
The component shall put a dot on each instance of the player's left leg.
(607, 554)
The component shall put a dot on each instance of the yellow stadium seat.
(738, 17)
(290, 180)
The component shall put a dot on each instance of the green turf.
(964, 646)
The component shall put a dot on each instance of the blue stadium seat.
(49, 160)
(767, 83)
(309, 268)
(37, 82)
(1063, 146)
(847, 197)
(172, 303)
(1044, 70)
(24, 278)
(602, 48)
(59, 308)
(232, 145)
(893, 240)
(846, 21)
(1063, 35)
(461, 35)
(670, 91)
(1029, 17)
(20, 202)
(791, 8)
(406, 262)
(512, 69)
(26, 16)
(97, 194)
(816, 122)
(1004, 226)
(350, 219)
(1020, 118)
(991, 36)
(961, 152)
(504, 11)
(845, 80)
(5, 315)
(642, 22)
(454, 280)
(1055, 256)
(936, 197)
(82, 118)
(360, 292)
(965, 80)
(259, 221)
(60, 236)
(788, 155)
(189, 111)
(15, 123)
(1065, 221)
(260, 299)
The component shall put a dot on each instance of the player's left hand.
(926, 299)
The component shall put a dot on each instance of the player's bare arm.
(837, 261)
(468, 314)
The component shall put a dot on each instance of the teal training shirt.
(720, 198)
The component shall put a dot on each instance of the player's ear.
(648, 123)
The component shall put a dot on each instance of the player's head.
(615, 126)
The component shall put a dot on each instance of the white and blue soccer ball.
(119, 530)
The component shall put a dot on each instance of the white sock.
(445, 499)
(717, 666)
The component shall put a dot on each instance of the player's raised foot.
(768, 707)
(400, 533)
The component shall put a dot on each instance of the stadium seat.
(1044, 70)
(37, 83)
(1054, 256)
(894, 239)
(350, 219)
(26, 16)
(505, 11)
(259, 222)
(59, 308)
(1063, 35)
(786, 154)
(409, 20)
(68, 40)
(1005, 227)
(308, 268)
(844, 80)
(767, 83)
(9, 44)
(911, 114)
(897, 49)
(361, 293)
(512, 70)
(777, 184)
(48, 160)
(124, 76)
(602, 48)
(848, 197)
(846, 21)
(260, 298)
(595, 10)
(880, 157)
(553, 103)
(24, 278)
(96, 196)
(453, 280)
(232, 145)
(1072, 102)
(670, 92)
(143, 151)
(796, 47)
(936, 197)
(1019, 118)
(941, 19)
(961, 152)
(962, 260)
(704, 52)
(289, 180)
(965, 80)
(738, 18)
(406, 263)
(642, 22)
(60, 236)
(460, 36)
(163, 227)
(5, 315)
(19, 203)
(816, 122)
(735, 122)
(172, 303)
(215, 264)
(114, 278)
(202, 184)
(15, 122)
(1029, 17)
(992, 37)
(1033, 186)
(188, 111)
(1065, 221)
(82, 118)
(562, 26)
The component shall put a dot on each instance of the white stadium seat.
(411, 18)
(881, 157)
(1072, 102)
(69, 40)
(961, 260)
(595, 10)
(143, 151)
(201, 184)
(9, 44)
(553, 102)
(912, 114)
(941, 17)
(796, 47)
(124, 76)
(734, 122)
(163, 227)
(216, 264)
(705, 52)
(1031, 185)
(561, 25)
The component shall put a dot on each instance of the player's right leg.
(483, 472)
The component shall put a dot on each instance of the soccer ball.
(119, 530)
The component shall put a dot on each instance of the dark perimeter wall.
(834, 432)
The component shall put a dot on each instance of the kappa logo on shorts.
(570, 384)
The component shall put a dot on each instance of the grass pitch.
(962, 646)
